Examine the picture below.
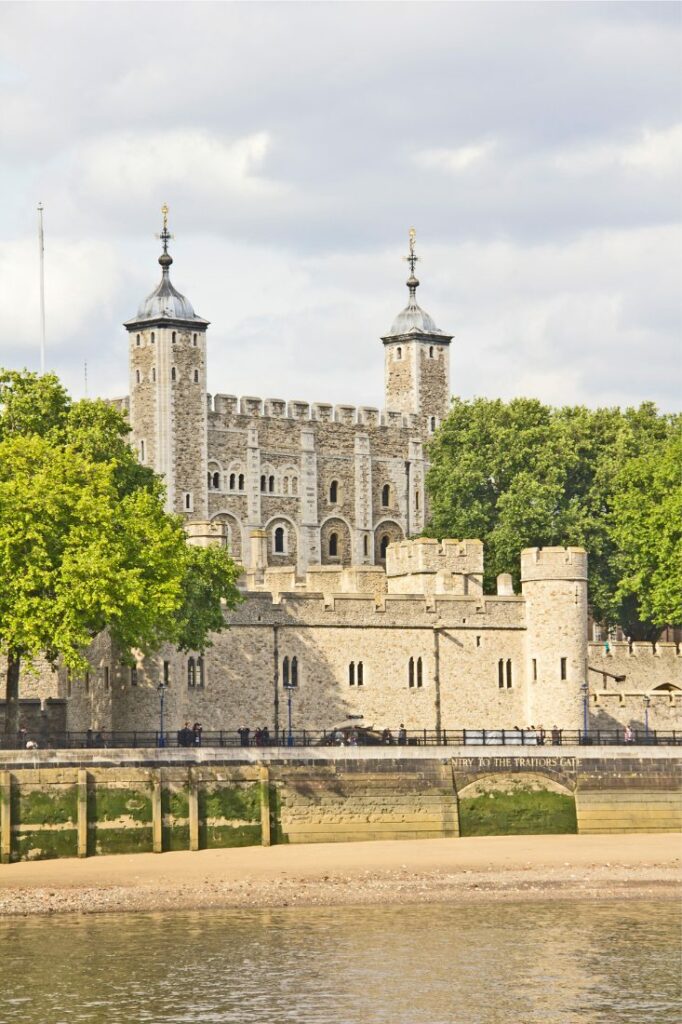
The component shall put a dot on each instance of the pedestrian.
(541, 736)
(627, 735)
(556, 735)
(265, 736)
(244, 735)
(258, 737)
(196, 734)
(402, 735)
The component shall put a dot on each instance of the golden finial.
(412, 258)
(164, 211)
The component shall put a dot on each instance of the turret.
(554, 585)
(417, 360)
(168, 405)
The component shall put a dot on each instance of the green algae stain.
(55, 807)
(522, 812)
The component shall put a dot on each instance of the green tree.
(647, 525)
(522, 474)
(85, 543)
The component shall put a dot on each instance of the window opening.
(500, 673)
(191, 673)
(333, 544)
(188, 502)
(106, 677)
(564, 667)
(430, 351)
(419, 672)
(263, 483)
(386, 495)
(384, 544)
(87, 682)
(509, 673)
(201, 677)
(232, 480)
(433, 423)
(154, 374)
(173, 338)
(399, 353)
(166, 673)
(194, 340)
(279, 540)
(137, 376)
(285, 672)
(410, 672)
(141, 451)
(196, 376)
(360, 674)
(416, 500)
(271, 484)
(365, 545)
(153, 337)
(351, 674)
(535, 670)
(478, 641)
(241, 481)
(294, 671)
(174, 375)
(137, 341)
(215, 481)
(334, 492)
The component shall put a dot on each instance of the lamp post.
(161, 690)
(586, 728)
(647, 702)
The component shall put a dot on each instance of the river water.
(525, 963)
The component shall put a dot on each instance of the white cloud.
(654, 151)
(462, 158)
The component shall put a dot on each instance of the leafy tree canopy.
(85, 543)
(521, 474)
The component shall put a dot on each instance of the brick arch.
(386, 528)
(476, 782)
(234, 533)
(336, 525)
(290, 554)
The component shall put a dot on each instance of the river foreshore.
(439, 870)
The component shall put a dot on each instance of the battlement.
(637, 651)
(424, 555)
(553, 564)
(205, 534)
(315, 412)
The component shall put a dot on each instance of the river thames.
(525, 963)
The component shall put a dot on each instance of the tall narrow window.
(334, 492)
(416, 500)
(279, 540)
(188, 502)
(399, 353)
(87, 682)
(196, 376)
(141, 451)
(241, 481)
(137, 341)
(500, 673)
(68, 683)
(194, 340)
(232, 481)
(433, 423)
(174, 375)
(333, 545)
(509, 673)
(215, 481)
(263, 483)
(478, 641)
(384, 544)
(106, 677)
(191, 673)
(564, 665)
(154, 374)
(420, 679)
(137, 376)
(294, 485)
(365, 545)
(173, 338)
(410, 672)
(386, 495)
(133, 675)
(294, 671)
(153, 337)
(360, 674)
(535, 670)
(166, 673)
(271, 484)
(285, 672)
(430, 351)
(351, 674)
(201, 672)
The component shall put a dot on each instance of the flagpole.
(41, 247)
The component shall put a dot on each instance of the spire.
(165, 259)
(412, 282)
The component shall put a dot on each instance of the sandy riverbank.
(438, 870)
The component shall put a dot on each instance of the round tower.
(168, 402)
(417, 360)
(554, 585)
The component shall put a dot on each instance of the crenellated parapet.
(428, 566)
(553, 564)
(310, 412)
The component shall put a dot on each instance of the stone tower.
(168, 403)
(417, 360)
(554, 585)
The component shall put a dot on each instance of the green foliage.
(521, 474)
(524, 812)
(85, 543)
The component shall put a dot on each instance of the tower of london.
(291, 482)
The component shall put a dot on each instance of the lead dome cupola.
(413, 319)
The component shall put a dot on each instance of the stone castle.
(318, 503)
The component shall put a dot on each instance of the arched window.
(410, 672)
(188, 502)
(137, 340)
(500, 673)
(173, 338)
(285, 485)
(174, 374)
(196, 376)
(334, 492)
(386, 495)
(191, 673)
(360, 674)
(285, 672)
(365, 545)
(419, 672)
(215, 481)
(201, 671)
(263, 483)
(241, 481)
(232, 481)
(137, 376)
(294, 485)
(399, 353)
(194, 340)
(271, 484)
(333, 545)
(430, 351)
(154, 374)
(351, 674)
(509, 673)
(294, 671)
(385, 541)
(279, 540)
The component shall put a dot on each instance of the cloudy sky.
(537, 149)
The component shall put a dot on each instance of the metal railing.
(234, 738)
